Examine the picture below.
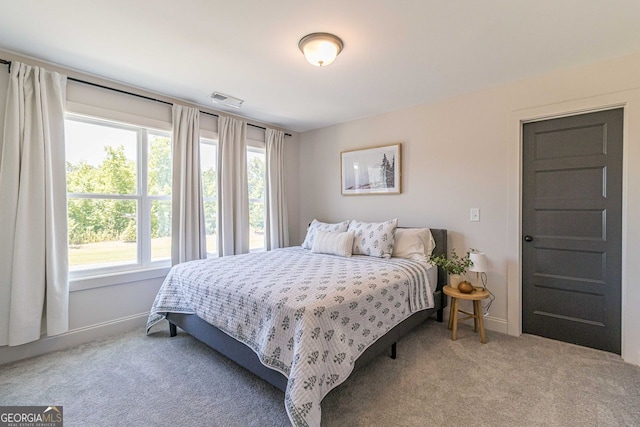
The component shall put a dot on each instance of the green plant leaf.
(453, 264)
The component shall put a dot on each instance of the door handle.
(528, 238)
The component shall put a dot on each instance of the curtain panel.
(276, 221)
(34, 285)
(233, 192)
(188, 233)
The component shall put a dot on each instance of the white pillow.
(413, 243)
(317, 225)
(332, 243)
(373, 238)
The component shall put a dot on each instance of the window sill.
(111, 279)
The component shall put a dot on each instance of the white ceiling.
(397, 52)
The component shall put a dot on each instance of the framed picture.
(374, 170)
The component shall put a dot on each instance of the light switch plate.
(474, 215)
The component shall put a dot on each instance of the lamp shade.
(320, 49)
(479, 261)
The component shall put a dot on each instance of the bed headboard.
(440, 236)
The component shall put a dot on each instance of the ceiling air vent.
(229, 101)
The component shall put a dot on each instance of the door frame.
(630, 102)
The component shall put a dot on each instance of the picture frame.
(373, 170)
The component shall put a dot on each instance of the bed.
(299, 320)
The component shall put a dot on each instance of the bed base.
(244, 356)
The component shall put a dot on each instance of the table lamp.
(479, 265)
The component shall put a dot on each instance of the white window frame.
(143, 201)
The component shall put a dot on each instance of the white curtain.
(188, 234)
(233, 193)
(277, 228)
(34, 284)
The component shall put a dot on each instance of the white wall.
(464, 153)
(104, 306)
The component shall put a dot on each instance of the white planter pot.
(454, 279)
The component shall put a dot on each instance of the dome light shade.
(320, 49)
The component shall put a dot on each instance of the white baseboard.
(495, 324)
(73, 338)
(490, 323)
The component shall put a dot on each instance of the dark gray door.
(572, 229)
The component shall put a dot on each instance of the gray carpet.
(138, 380)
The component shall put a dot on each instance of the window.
(119, 195)
(256, 181)
(159, 173)
(256, 178)
(209, 171)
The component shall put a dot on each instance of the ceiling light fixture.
(320, 49)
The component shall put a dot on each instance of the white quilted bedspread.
(308, 316)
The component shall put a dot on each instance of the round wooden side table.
(476, 296)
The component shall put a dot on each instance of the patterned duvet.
(308, 316)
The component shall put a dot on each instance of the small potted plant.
(454, 266)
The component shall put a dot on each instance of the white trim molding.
(491, 323)
(74, 338)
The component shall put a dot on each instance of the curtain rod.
(73, 79)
